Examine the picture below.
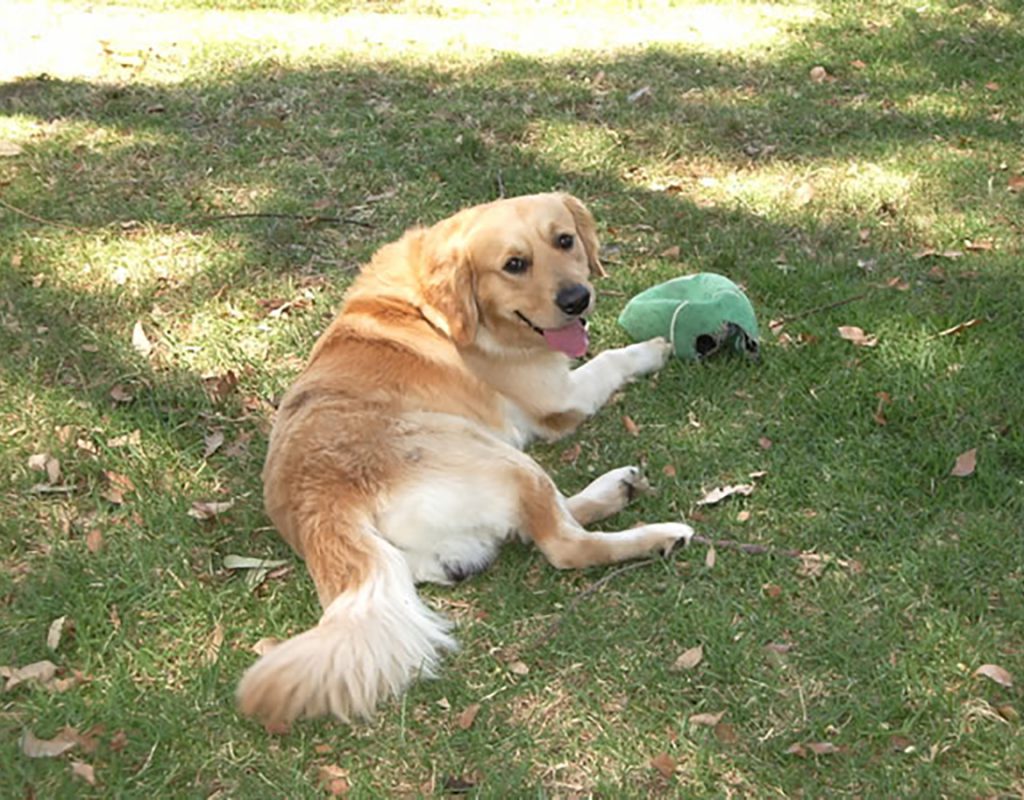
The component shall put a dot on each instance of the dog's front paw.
(670, 535)
(650, 356)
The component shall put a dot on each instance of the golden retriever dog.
(396, 455)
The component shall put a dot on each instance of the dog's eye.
(564, 241)
(515, 266)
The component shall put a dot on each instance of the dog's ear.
(446, 285)
(587, 232)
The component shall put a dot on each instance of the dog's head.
(515, 273)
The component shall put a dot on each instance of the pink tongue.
(571, 340)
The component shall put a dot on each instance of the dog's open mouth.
(571, 339)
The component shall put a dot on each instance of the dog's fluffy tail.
(371, 642)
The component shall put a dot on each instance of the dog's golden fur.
(395, 455)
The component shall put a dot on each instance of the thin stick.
(828, 307)
(309, 219)
(40, 220)
(746, 547)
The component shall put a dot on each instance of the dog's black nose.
(573, 300)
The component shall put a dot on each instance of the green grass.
(738, 158)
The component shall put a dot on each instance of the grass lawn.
(851, 164)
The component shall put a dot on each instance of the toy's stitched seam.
(672, 324)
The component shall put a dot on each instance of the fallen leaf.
(780, 648)
(671, 252)
(208, 509)
(644, 92)
(1008, 712)
(55, 632)
(819, 74)
(140, 341)
(219, 386)
(772, 590)
(689, 659)
(743, 516)
(250, 562)
(797, 749)
(822, 748)
(669, 471)
(570, 454)
(518, 668)
(722, 492)
(995, 673)
(334, 779)
(127, 439)
(856, 335)
(212, 442)
(965, 463)
(764, 443)
(84, 771)
(898, 284)
(960, 328)
(901, 744)
(857, 64)
(726, 733)
(211, 648)
(631, 427)
(468, 716)
(48, 748)
(94, 540)
(811, 565)
(665, 764)
(978, 246)
(707, 719)
(119, 741)
(40, 671)
(803, 194)
(992, 86)
(710, 557)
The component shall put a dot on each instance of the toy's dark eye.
(564, 241)
(516, 265)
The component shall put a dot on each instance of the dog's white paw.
(672, 535)
(650, 356)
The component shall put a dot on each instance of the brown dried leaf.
(219, 386)
(94, 540)
(689, 659)
(665, 764)
(721, 493)
(743, 516)
(819, 74)
(726, 733)
(979, 246)
(119, 741)
(211, 648)
(960, 328)
(822, 748)
(797, 749)
(468, 716)
(671, 252)
(212, 442)
(995, 673)
(40, 671)
(140, 341)
(707, 719)
(334, 779)
(120, 394)
(764, 443)
(570, 454)
(208, 509)
(965, 463)
(710, 557)
(631, 427)
(852, 333)
(56, 630)
(774, 591)
(48, 748)
(518, 668)
(669, 471)
(84, 771)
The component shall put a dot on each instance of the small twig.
(725, 544)
(309, 219)
(776, 323)
(40, 220)
(746, 547)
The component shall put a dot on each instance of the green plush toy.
(700, 314)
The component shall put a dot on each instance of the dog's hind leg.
(607, 495)
(548, 520)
